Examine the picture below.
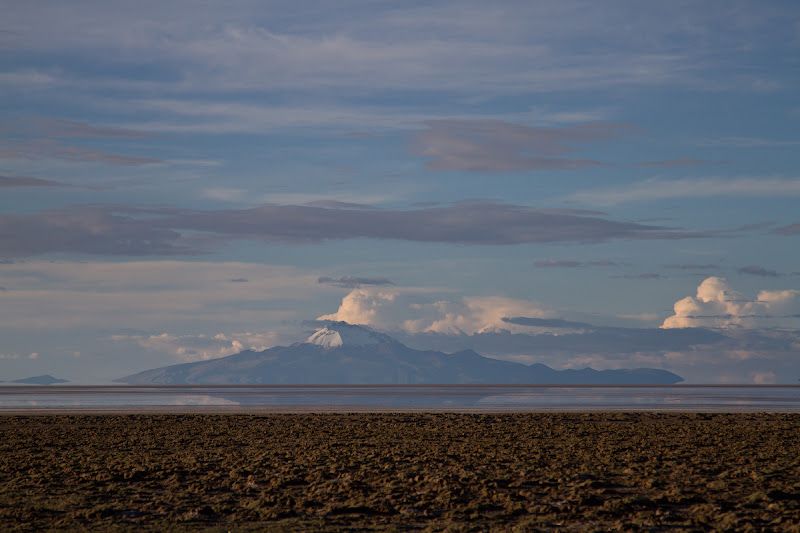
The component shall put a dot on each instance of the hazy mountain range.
(45, 379)
(341, 353)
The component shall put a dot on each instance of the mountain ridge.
(342, 353)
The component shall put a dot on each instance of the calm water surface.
(346, 398)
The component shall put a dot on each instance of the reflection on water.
(775, 398)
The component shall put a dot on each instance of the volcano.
(342, 353)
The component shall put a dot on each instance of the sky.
(606, 184)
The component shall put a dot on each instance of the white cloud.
(657, 189)
(718, 306)
(390, 309)
(764, 378)
(203, 347)
(371, 307)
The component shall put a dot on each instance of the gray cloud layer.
(130, 231)
(756, 270)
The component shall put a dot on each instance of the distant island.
(45, 379)
(342, 353)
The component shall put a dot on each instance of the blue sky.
(182, 180)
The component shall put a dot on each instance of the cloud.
(23, 181)
(352, 282)
(718, 306)
(203, 347)
(699, 355)
(53, 127)
(561, 263)
(695, 266)
(673, 163)
(112, 230)
(569, 263)
(792, 229)
(655, 189)
(497, 146)
(442, 46)
(35, 149)
(756, 270)
(646, 275)
(745, 142)
(371, 307)
(547, 322)
(85, 230)
(392, 310)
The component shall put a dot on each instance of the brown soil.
(398, 472)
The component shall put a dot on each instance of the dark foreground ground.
(398, 472)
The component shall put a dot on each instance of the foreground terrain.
(401, 471)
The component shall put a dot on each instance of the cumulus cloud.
(717, 305)
(394, 310)
(497, 146)
(203, 347)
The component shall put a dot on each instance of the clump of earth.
(401, 472)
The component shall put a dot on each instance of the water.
(348, 398)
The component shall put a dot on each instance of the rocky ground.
(398, 472)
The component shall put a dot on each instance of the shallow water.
(348, 398)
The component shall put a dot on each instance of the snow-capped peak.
(339, 334)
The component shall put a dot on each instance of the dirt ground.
(401, 472)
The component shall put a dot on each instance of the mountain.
(342, 353)
(46, 379)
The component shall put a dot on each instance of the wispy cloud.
(24, 181)
(49, 148)
(756, 270)
(354, 282)
(645, 276)
(54, 127)
(656, 189)
(791, 229)
(569, 263)
(670, 163)
(695, 266)
(745, 142)
(497, 146)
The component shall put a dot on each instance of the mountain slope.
(342, 353)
